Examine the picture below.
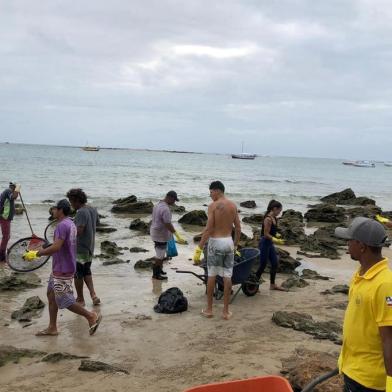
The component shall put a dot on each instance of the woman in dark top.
(269, 237)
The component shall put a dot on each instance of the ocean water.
(47, 172)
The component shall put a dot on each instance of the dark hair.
(273, 204)
(66, 210)
(217, 186)
(77, 194)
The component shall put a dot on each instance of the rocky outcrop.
(248, 204)
(105, 229)
(139, 225)
(196, 217)
(110, 248)
(136, 249)
(58, 357)
(287, 264)
(13, 354)
(144, 264)
(339, 288)
(97, 366)
(347, 197)
(177, 209)
(313, 275)
(115, 261)
(19, 281)
(304, 322)
(126, 200)
(139, 207)
(326, 213)
(305, 366)
(291, 227)
(255, 219)
(295, 282)
(32, 308)
(368, 211)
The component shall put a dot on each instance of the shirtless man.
(222, 216)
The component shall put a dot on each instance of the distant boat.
(388, 164)
(364, 164)
(243, 155)
(87, 148)
(349, 163)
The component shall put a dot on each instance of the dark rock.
(19, 281)
(140, 225)
(104, 228)
(48, 201)
(110, 248)
(326, 213)
(310, 274)
(13, 354)
(196, 217)
(287, 264)
(57, 357)
(136, 249)
(177, 209)
(306, 365)
(340, 197)
(339, 288)
(126, 200)
(32, 308)
(97, 366)
(323, 242)
(255, 219)
(368, 211)
(139, 207)
(304, 322)
(292, 228)
(248, 204)
(294, 281)
(115, 261)
(364, 201)
(144, 264)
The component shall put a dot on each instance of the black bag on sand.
(171, 301)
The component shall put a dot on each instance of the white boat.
(388, 164)
(349, 163)
(364, 164)
(243, 154)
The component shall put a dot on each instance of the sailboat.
(243, 154)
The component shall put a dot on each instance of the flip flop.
(45, 332)
(95, 326)
(227, 316)
(96, 301)
(206, 315)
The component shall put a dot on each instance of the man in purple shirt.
(60, 292)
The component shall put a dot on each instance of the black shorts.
(352, 386)
(82, 270)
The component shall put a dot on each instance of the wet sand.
(168, 352)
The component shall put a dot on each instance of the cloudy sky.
(287, 77)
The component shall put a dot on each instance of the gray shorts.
(220, 257)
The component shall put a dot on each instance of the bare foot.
(227, 315)
(96, 301)
(278, 288)
(47, 332)
(206, 314)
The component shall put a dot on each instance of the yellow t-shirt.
(369, 307)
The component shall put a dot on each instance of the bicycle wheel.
(49, 230)
(19, 248)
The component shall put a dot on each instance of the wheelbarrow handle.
(309, 387)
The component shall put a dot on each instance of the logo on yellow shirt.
(388, 301)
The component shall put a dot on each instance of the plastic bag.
(171, 248)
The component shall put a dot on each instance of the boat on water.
(388, 164)
(348, 163)
(87, 148)
(243, 154)
(364, 164)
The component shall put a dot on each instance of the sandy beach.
(170, 352)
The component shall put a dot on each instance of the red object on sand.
(257, 384)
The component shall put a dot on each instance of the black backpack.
(171, 301)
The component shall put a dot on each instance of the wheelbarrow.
(242, 275)
(260, 384)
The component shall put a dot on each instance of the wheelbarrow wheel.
(251, 286)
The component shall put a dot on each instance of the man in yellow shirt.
(366, 356)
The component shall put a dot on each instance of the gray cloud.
(288, 77)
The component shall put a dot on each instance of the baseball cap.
(63, 205)
(365, 230)
(173, 195)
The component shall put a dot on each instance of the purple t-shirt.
(64, 261)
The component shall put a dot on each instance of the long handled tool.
(320, 379)
(27, 215)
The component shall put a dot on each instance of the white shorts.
(220, 257)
